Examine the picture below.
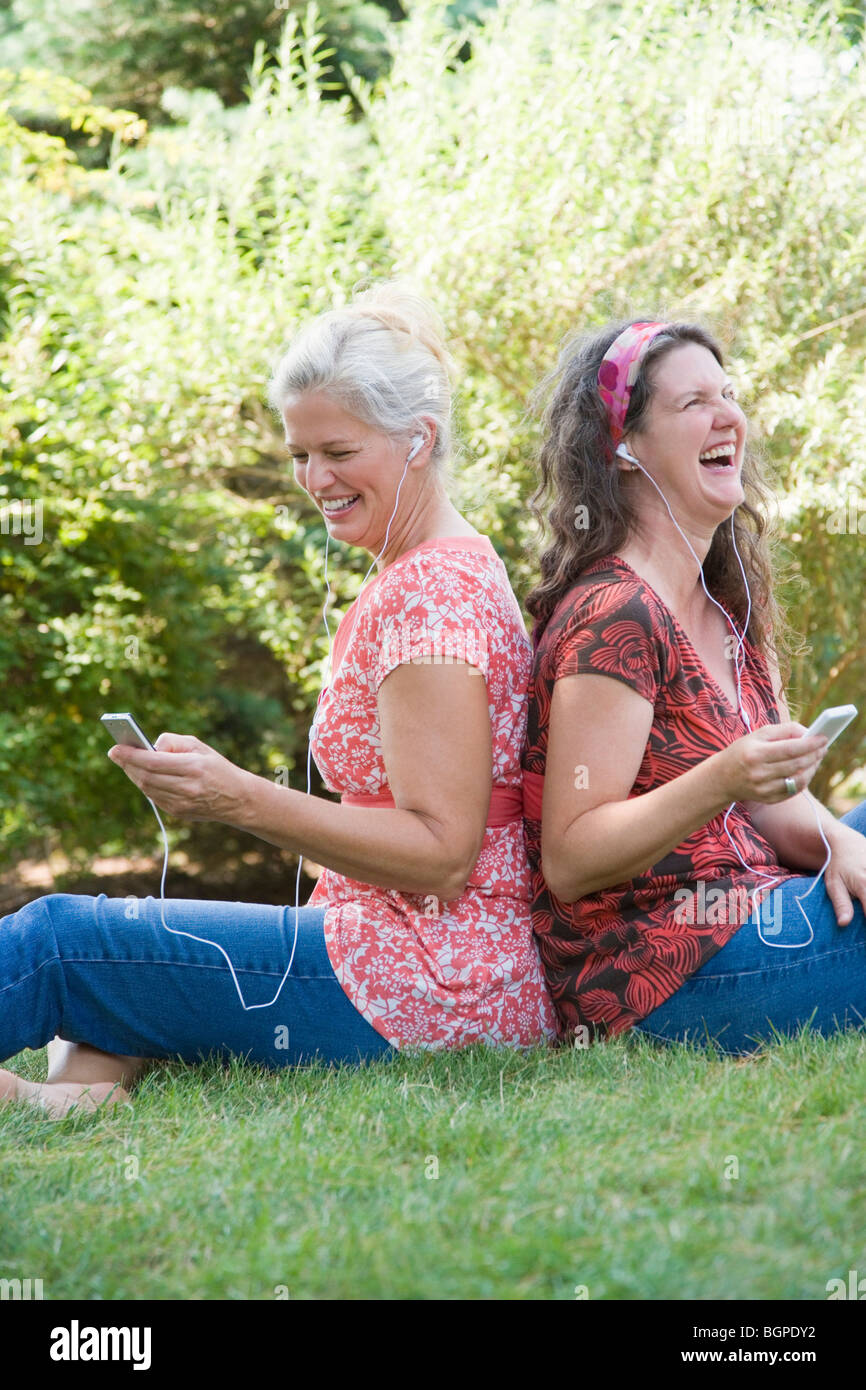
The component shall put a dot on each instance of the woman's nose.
(319, 473)
(728, 413)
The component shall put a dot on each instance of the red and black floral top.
(615, 955)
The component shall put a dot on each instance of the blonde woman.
(418, 933)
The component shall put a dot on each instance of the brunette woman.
(675, 848)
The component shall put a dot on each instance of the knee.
(53, 906)
(29, 922)
(44, 918)
(31, 915)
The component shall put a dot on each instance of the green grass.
(603, 1167)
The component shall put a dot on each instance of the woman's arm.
(595, 835)
(592, 836)
(789, 826)
(436, 745)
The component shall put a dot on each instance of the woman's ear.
(431, 430)
(426, 432)
(623, 452)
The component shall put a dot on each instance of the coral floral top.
(422, 972)
(612, 957)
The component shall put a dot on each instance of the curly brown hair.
(577, 469)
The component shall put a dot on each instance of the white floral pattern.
(423, 973)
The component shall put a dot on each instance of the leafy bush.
(180, 571)
(596, 160)
(130, 53)
(574, 162)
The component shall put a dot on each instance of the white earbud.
(417, 443)
(624, 453)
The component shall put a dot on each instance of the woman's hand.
(187, 778)
(846, 873)
(754, 768)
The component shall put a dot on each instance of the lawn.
(622, 1171)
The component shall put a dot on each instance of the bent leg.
(105, 972)
(770, 978)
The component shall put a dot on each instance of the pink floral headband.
(619, 369)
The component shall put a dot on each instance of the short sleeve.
(436, 610)
(615, 633)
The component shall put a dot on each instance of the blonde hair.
(382, 357)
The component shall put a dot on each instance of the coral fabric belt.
(533, 790)
(506, 803)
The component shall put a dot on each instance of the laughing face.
(693, 436)
(351, 470)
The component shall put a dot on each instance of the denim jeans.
(749, 990)
(104, 971)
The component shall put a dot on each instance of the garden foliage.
(552, 166)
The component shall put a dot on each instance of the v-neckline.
(735, 713)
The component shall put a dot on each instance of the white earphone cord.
(417, 441)
(205, 941)
(744, 715)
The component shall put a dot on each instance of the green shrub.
(572, 163)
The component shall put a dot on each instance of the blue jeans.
(104, 971)
(750, 991)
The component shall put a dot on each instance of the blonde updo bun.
(382, 357)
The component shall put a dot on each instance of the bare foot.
(59, 1098)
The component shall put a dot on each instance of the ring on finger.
(790, 786)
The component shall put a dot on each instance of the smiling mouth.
(718, 459)
(336, 505)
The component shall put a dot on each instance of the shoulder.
(609, 623)
(449, 578)
(606, 594)
(452, 601)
